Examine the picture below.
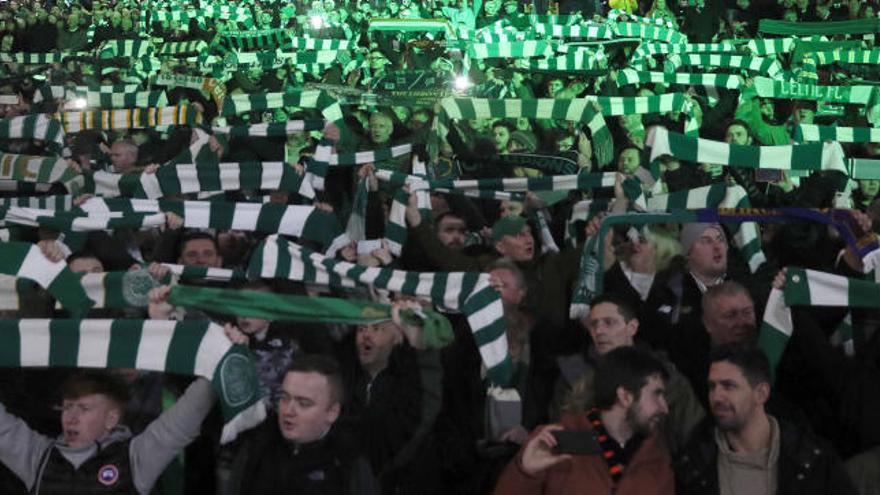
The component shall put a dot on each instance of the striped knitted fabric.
(50, 92)
(629, 76)
(410, 25)
(194, 178)
(814, 156)
(40, 169)
(194, 348)
(275, 129)
(182, 48)
(804, 133)
(27, 58)
(772, 46)
(575, 110)
(37, 126)
(186, 272)
(238, 104)
(587, 31)
(122, 119)
(612, 452)
(59, 202)
(770, 88)
(320, 44)
(68, 221)
(857, 56)
(139, 99)
(23, 260)
(581, 212)
(648, 49)
(511, 49)
(579, 60)
(255, 40)
(304, 221)
(768, 66)
(125, 48)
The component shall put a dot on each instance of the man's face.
(500, 136)
(509, 287)
(732, 399)
(451, 232)
(519, 247)
(381, 128)
(730, 319)
(708, 255)
(123, 156)
(86, 265)
(737, 134)
(492, 7)
(608, 329)
(869, 187)
(88, 418)
(628, 161)
(375, 343)
(377, 60)
(200, 252)
(648, 412)
(554, 87)
(306, 409)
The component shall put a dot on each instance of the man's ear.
(633, 326)
(334, 411)
(501, 246)
(762, 392)
(114, 415)
(624, 397)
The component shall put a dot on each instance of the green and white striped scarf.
(304, 221)
(51, 92)
(255, 40)
(771, 46)
(810, 157)
(37, 126)
(69, 221)
(772, 88)
(857, 56)
(761, 65)
(194, 348)
(629, 76)
(122, 119)
(194, 178)
(809, 288)
(410, 25)
(37, 169)
(586, 31)
(804, 133)
(510, 49)
(574, 61)
(238, 104)
(139, 99)
(182, 48)
(320, 44)
(32, 58)
(465, 292)
(648, 49)
(274, 129)
(58, 202)
(125, 48)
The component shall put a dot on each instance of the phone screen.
(577, 442)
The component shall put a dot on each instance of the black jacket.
(267, 464)
(807, 465)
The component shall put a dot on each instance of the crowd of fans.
(663, 368)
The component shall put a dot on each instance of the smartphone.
(577, 442)
(768, 175)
